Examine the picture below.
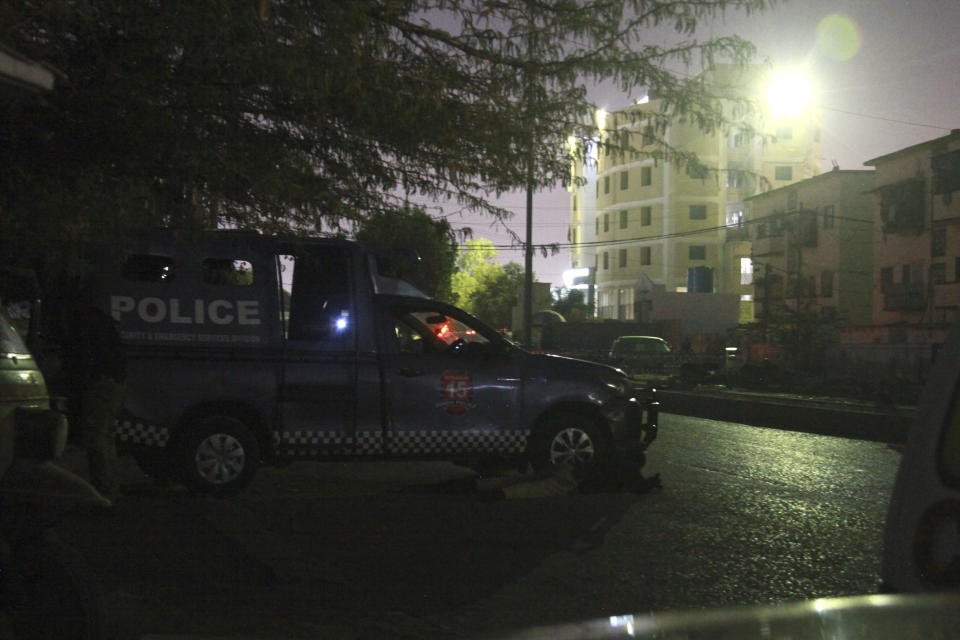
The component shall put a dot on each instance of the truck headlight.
(618, 386)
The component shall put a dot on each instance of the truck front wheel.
(568, 438)
(220, 456)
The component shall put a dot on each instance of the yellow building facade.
(639, 215)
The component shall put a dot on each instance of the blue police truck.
(245, 350)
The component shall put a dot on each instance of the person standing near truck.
(95, 365)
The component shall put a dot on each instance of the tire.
(48, 591)
(220, 456)
(568, 438)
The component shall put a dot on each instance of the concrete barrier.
(862, 421)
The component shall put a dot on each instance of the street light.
(788, 94)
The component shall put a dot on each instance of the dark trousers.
(100, 406)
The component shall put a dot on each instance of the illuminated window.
(746, 271)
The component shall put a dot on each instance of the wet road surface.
(746, 515)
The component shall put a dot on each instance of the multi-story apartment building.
(812, 248)
(667, 221)
(917, 241)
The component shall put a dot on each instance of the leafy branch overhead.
(300, 115)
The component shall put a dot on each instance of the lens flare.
(838, 37)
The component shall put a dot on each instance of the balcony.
(737, 233)
(946, 206)
(904, 297)
(946, 294)
(768, 245)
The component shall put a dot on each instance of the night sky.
(888, 73)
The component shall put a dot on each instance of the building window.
(826, 284)
(698, 212)
(646, 176)
(783, 173)
(696, 170)
(606, 260)
(606, 184)
(574, 205)
(784, 132)
(645, 255)
(646, 215)
(606, 222)
(956, 269)
(886, 278)
(828, 216)
(625, 303)
(648, 137)
(938, 273)
(734, 175)
(938, 241)
(598, 188)
(698, 252)
(622, 258)
(623, 219)
(746, 271)
(624, 180)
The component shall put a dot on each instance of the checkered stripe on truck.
(140, 433)
(406, 442)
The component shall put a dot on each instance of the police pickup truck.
(244, 349)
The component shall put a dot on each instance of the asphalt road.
(746, 515)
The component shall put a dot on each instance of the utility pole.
(528, 248)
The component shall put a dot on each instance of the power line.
(664, 236)
(894, 120)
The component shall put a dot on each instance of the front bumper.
(634, 424)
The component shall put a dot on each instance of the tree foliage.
(412, 228)
(311, 115)
(572, 305)
(484, 287)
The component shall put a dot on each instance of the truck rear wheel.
(220, 456)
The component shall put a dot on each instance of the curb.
(809, 415)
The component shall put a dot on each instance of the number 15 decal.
(456, 388)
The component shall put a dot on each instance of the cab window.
(146, 267)
(226, 271)
(429, 331)
(320, 307)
